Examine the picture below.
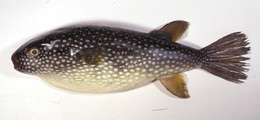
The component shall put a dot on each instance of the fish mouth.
(16, 62)
(20, 69)
(17, 65)
(17, 68)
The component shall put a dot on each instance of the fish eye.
(34, 52)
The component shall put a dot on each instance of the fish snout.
(15, 60)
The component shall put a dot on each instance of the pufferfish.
(103, 59)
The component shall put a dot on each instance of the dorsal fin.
(175, 29)
(176, 85)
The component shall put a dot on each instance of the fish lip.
(21, 70)
(15, 61)
(17, 64)
(17, 68)
(14, 58)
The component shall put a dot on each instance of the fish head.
(38, 56)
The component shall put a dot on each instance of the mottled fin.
(176, 85)
(224, 58)
(176, 29)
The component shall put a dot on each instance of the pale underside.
(100, 79)
(106, 78)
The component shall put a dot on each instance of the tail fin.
(224, 58)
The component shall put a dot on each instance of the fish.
(105, 59)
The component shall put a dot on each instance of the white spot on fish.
(50, 45)
(73, 51)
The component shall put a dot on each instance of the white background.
(24, 97)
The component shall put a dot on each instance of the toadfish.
(102, 59)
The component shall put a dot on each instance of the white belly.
(99, 81)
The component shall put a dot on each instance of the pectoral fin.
(91, 56)
(175, 29)
(176, 85)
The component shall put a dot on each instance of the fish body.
(100, 59)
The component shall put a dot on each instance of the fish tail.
(224, 58)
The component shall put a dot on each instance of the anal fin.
(176, 85)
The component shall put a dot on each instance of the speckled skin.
(103, 59)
